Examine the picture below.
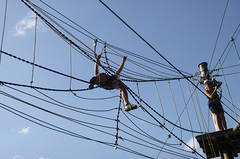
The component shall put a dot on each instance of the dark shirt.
(214, 104)
(107, 83)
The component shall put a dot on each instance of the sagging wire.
(161, 104)
(4, 25)
(95, 37)
(70, 82)
(191, 94)
(219, 31)
(235, 46)
(133, 94)
(144, 133)
(175, 106)
(79, 26)
(230, 43)
(117, 122)
(79, 122)
(50, 126)
(185, 103)
(57, 103)
(42, 88)
(42, 67)
(228, 90)
(34, 48)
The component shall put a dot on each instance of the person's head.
(208, 84)
(93, 81)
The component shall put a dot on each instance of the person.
(215, 105)
(110, 82)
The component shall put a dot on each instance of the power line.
(74, 107)
(65, 106)
(42, 67)
(70, 77)
(143, 66)
(145, 134)
(127, 149)
(79, 122)
(50, 126)
(131, 93)
(65, 30)
(230, 43)
(61, 34)
(43, 88)
(51, 26)
(4, 25)
(82, 123)
(95, 37)
(235, 46)
(34, 48)
(227, 67)
(139, 35)
(94, 98)
(155, 50)
(136, 73)
(65, 131)
(157, 147)
(151, 61)
(219, 31)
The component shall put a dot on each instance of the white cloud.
(26, 24)
(20, 157)
(44, 158)
(24, 131)
(17, 157)
(193, 144)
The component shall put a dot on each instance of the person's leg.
(117, 73)
(96, 71)
(223, 121)
(215, 121)
(117, 84)
(128, 106)
(124, 96)
(219, 121)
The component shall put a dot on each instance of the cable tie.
(194, 150)
(162, 125)
(115, 146)
(119, 137)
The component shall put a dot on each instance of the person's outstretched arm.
(210, 95)
(219, 84)
(96, 71)
(121, 66)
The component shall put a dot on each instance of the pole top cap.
(202, 64)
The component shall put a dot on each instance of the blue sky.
(183, 31)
